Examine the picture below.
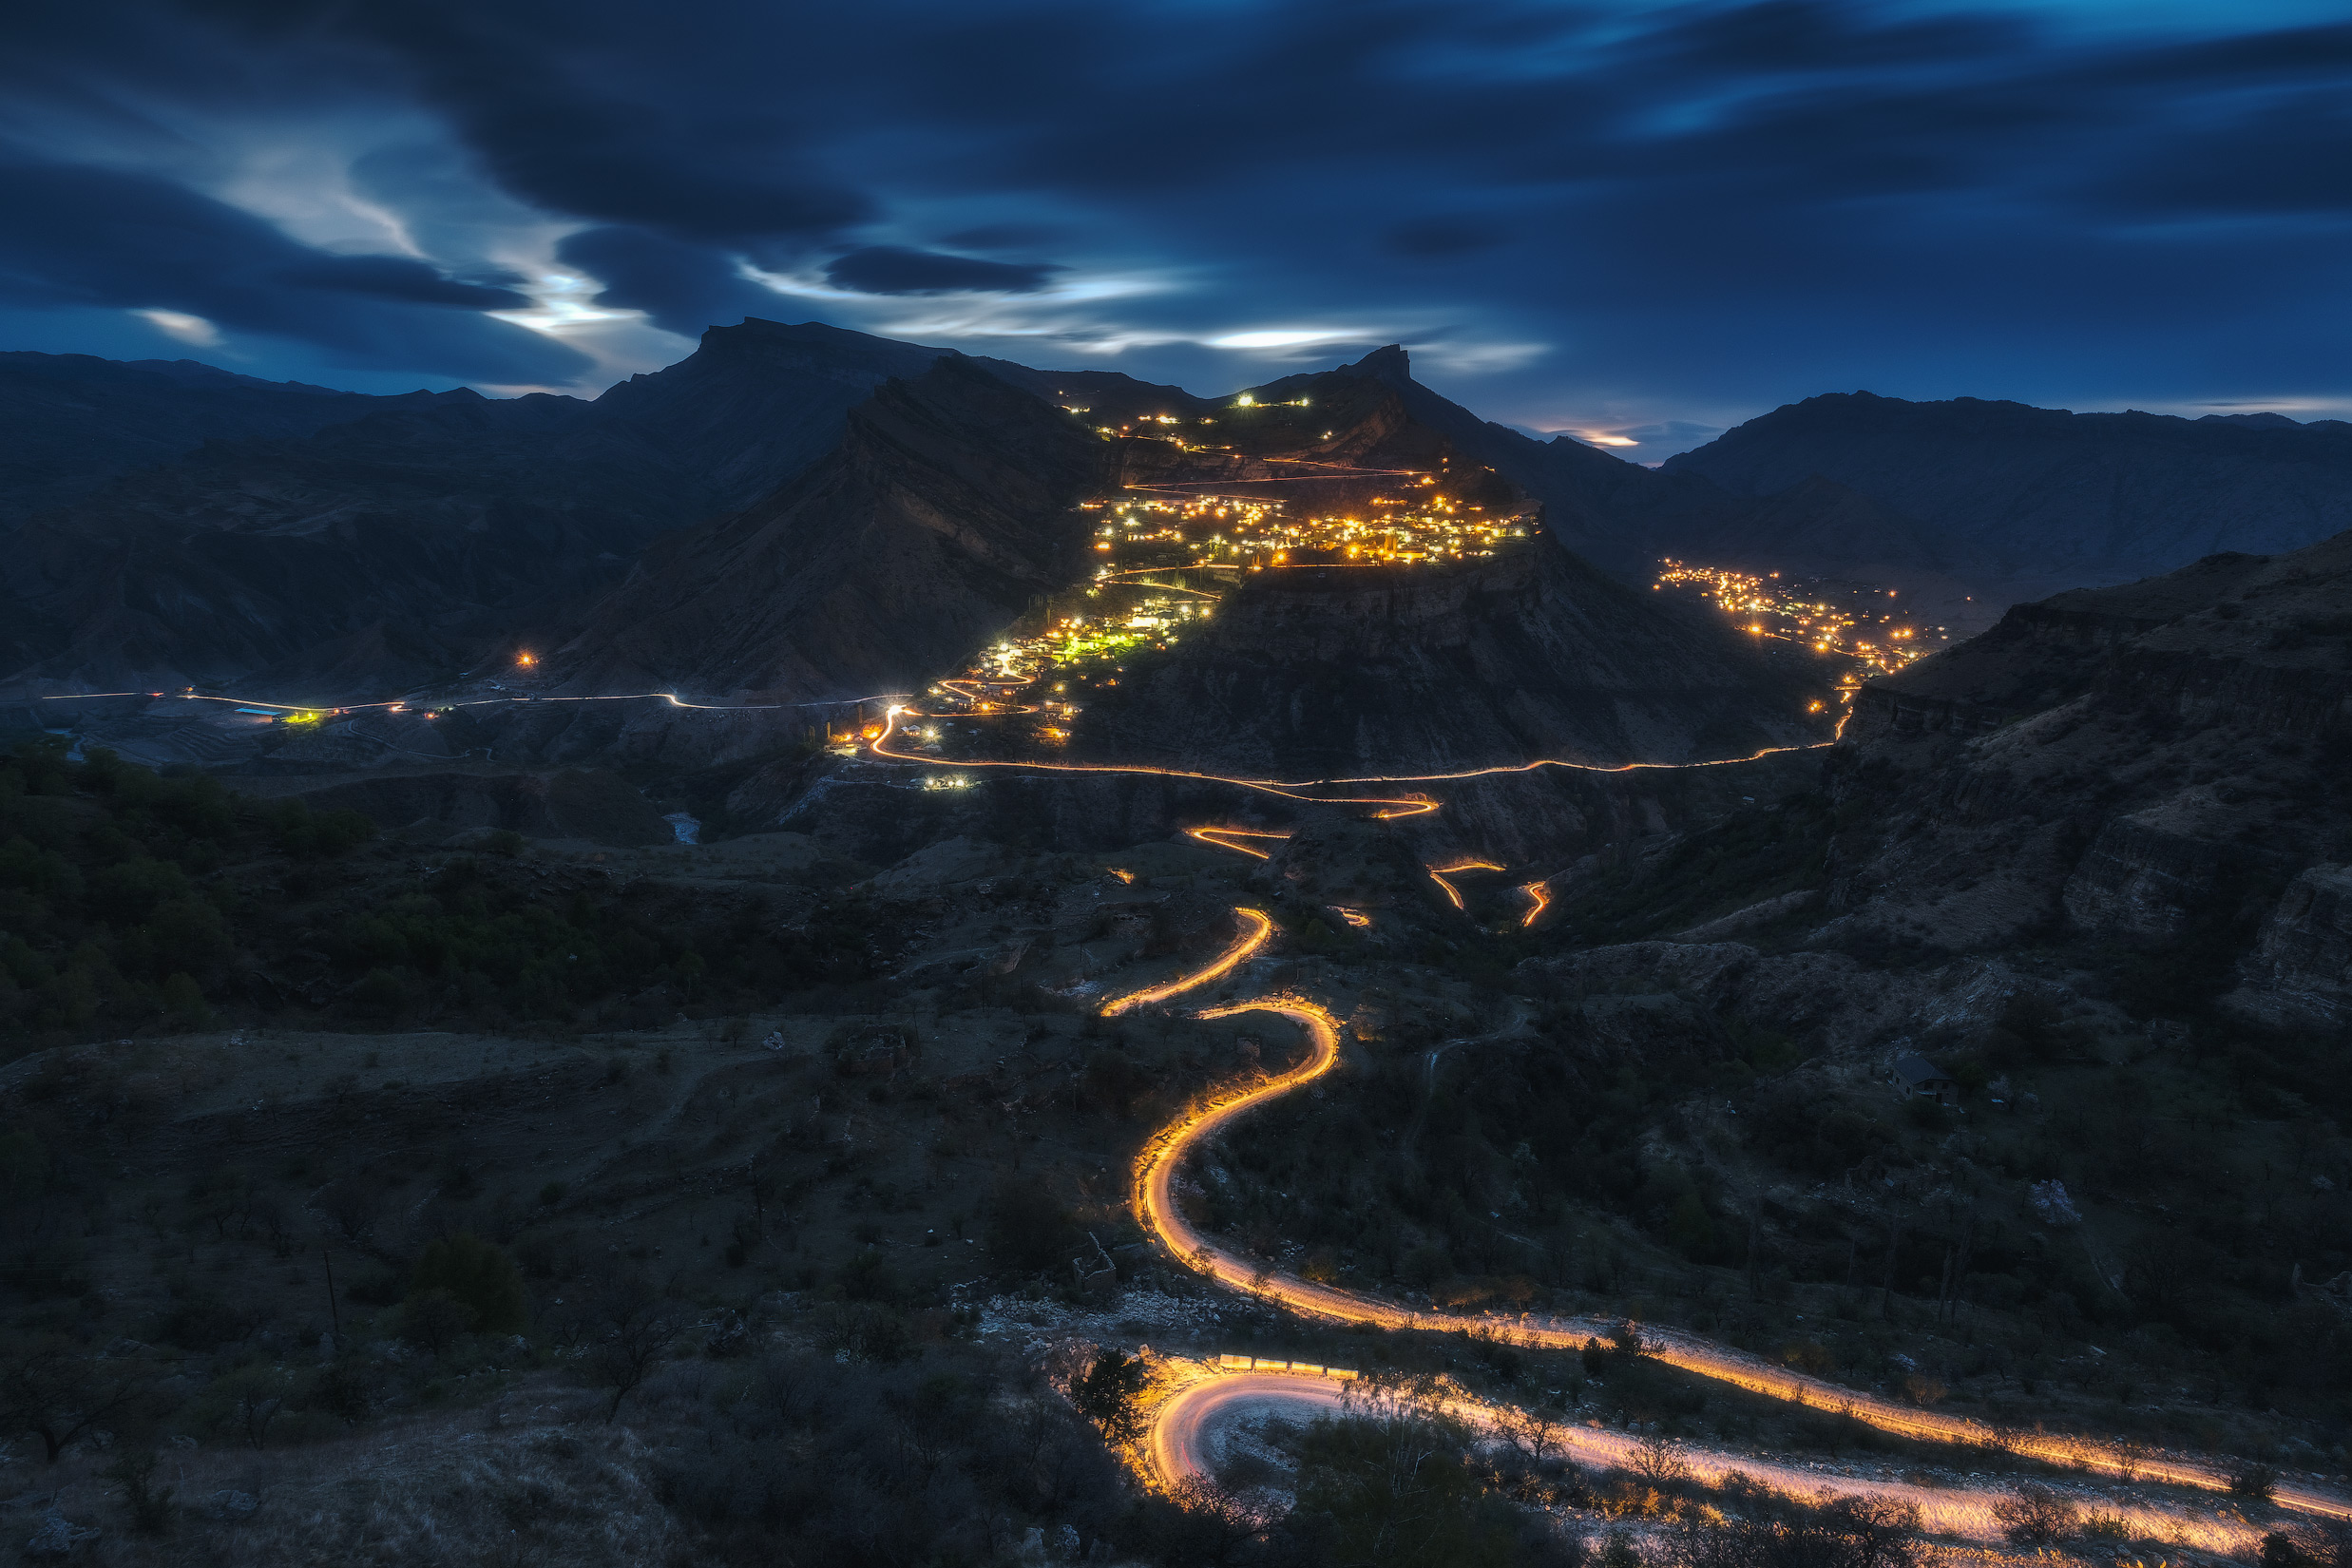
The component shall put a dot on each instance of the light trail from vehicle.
(1218, 835)
(1542, 762)
(1390, 807)
(1438, 874)
(1154, 1202)
(1179, 1443)
(1541, 893)
(672, 698)
(1194, 486)
(1414, 806)
(1164, 587)
(1256, 928)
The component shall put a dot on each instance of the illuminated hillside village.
(1166, 560)
(1860, 622)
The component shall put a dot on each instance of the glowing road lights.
(1153, 1196)
(1355, 918)
(1540, 894)
(1438, 874)
(1257, 927)
(525, 660)
(1219, 836)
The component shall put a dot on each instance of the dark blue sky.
(1639, 220)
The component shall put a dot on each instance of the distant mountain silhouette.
(2002, 489)
(394, 539)
(72, 422)
(1624, 517)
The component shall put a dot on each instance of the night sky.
(1637, 221)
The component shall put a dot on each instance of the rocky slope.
(948, 505)
(2091, 867)
(2154, 767)
(2133, 791)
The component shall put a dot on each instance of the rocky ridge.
(2021, 493)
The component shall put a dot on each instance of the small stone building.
(1915, 1074)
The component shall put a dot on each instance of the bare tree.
(1536, 1432)
(634, 1326)
(57, 1390)
(353, 1207)
(1656, 1463)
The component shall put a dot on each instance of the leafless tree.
(634, 1325)
(1656, 1462)
(352, 1209)
(58, 1390)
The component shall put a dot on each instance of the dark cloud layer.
(681, 287)
(78, 237)
(897, 269)
(1680, 210)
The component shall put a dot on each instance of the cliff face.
(2299, 973)
(756, 404)
(2156, 769)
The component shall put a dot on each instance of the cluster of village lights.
(1216, 532)
(1166, 564)
(1870, 633)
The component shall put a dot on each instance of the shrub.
(149, 1505)
(1850, 1533)
(2253, 1482)
(2034, 1516)
(1106, 1395)
(184, 1000)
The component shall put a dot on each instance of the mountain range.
(339, 546)
(814, 514)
